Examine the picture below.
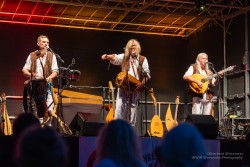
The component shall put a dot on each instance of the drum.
(121, 81)
(64, 72)
(74, 75)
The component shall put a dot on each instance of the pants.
(201, 106)
(39, 106)
(123, 104)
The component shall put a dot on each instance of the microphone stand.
(218, 78)
(146, 96)
(59, 80)
(129, 97)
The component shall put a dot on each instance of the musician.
(202, 103)
(41, 65)
(136, 65)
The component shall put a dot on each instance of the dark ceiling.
(159, 17)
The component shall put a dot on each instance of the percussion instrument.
(121, 81)
(72, 75)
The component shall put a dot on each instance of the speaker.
(86, 124)
(206, 124)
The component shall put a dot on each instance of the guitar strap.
(139, 68)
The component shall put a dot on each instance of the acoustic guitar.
(6, 127)
(205, 80)
(111, 113)
(156, 127)
(170, 122)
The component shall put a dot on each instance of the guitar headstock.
(177, 100)
(230, 68)
(151, 91)
(111, 85)
(3, 97)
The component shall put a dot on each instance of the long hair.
(198, 65)
(127, 51)
(118, 141)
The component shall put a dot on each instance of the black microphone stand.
(218, 80)
(129, 96)
(59, 89)
(146, 105)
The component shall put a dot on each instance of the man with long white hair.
(202, 103)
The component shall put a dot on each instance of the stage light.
(201, 4)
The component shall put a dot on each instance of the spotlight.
(201, 4)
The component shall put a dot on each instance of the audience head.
(118, 141)
(22, 122)
(41, 147)
(181, 147)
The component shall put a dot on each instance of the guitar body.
(111, 113)
(205, 80)
(156, 127)
(6, 125)
(195, 88)
(169, 121)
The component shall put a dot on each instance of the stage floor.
(220, 153)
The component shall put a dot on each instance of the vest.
(47, 65)
(139, 68)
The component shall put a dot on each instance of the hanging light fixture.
(201, 4)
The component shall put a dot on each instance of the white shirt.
(133, 64)
(39, 68)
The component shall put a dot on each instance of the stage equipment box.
(240, 126)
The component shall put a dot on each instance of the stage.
(220, 153)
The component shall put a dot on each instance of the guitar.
(5, 123)
(170, 122)
(156, 127)
(205, 80)
(111, 113)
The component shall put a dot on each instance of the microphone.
(73, 61)
(47, 47)
(59, 58)
(133, 54)
(208, 62)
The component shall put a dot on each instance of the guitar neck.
(214, 75)
(113, 99)
(175, 114)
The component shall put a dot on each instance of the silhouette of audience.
(182, 147)
(23, 122)
(246, 154)
(118, 145)
(40, 147)
(8, 143)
